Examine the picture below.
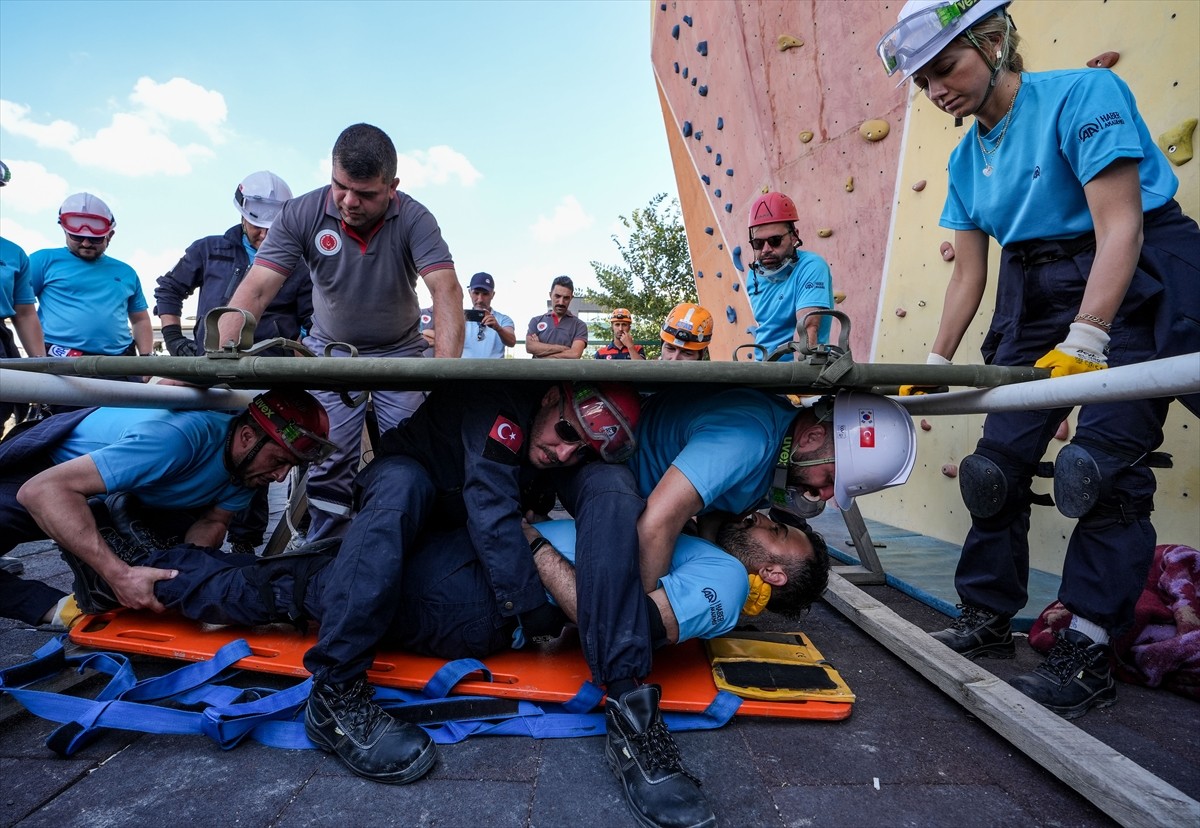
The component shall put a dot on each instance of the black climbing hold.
(708, 230)
(703, 91)
(718, 159)
(688, 20)
(720, 123)
(687, 129)
(706, 179)
(729, 172)
(730, 314)
(737, 286)
(685, 71)
(728, 207)
(717, 193)
(702, 48)
(675, 31)
(737, 259)
(676, 67)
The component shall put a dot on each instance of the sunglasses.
(568, 434)
(772, 241)
(96, 241)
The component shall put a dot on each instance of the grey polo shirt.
(364, 290)
(554, 331)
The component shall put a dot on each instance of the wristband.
(537, 543)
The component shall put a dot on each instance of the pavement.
(907, 755)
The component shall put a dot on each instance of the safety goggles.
(911, 36)
(307, 446)
(773, 241)
(85, 224)
(257, 208)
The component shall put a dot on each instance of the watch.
(537, 543)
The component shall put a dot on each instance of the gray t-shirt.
(551, 330)
(364, 290)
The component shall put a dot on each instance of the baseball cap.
(83, 214)
(5, 174)
(260, 197)
(483, 281)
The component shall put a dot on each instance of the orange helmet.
(770, 208)
(620, 315)
(688, 326)
(609, 412)
(296, 421)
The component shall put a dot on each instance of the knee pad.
(986, 488)
(1078, 481)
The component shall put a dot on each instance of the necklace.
(983, 150)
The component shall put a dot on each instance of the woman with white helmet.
(1061, 170)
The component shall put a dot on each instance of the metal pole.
(23, 386)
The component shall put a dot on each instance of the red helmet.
(770, 208)
(296, 421)
(609, 412)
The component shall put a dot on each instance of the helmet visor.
(605, 428)
(85, 224)
(904, 47)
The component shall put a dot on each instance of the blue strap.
(450, 674)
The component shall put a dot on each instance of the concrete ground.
(908, 755)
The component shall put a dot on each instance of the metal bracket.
(870, 569)
(214, 348)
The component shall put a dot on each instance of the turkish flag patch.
(508, 434)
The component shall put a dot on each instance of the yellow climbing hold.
(839, 296)
(824, 232)
(805, 137)
(874, 130)
(786, 42)
(850, 184)
(1176, 143)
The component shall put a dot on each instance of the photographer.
(487, 332)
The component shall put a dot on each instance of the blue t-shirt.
(806, 283)
(169, 459)
(15, 288)
(705, 585)
(1067, 126)
(490, 347)
(726, 444)
(85, 305)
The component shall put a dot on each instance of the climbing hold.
(717, 193)
(687, 129)
(786, 42)
(702, 48)
(675, 31)
(720, 247)
(766, 188)
(1104, 60)
(688, 20)
(703, 91)
(694, 80)
(708, 230)
(926, 425)
(676, 67)
(699, 274)
(662, 7)
(729, 172)
(718, 159)
(921, 304)
(685, 73)
(1064, 431)
(947, 250)
(920, 185)
(730, 314)
(737, 259)
(901, 312)
(699, 135)
(824, 232)
(708, 149)
(850, 184)
(728, 207)
(950, 470)
(874, 130)
(737, 286)
(706, 179)
(805, 137)
(718, 274)
(1177, 143)
(839, 296)
(720, 123)
(752, 329)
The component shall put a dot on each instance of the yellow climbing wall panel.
(1156, 43)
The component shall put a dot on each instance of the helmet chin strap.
(238, 471)
(996, 67)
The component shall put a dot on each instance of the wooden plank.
(1112, 782)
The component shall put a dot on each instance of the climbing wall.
(772, 96)
(761, 77)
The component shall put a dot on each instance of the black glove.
(178, 344)
(544, 623)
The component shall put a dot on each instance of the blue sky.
(526, 127)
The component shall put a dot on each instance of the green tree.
(655, 274)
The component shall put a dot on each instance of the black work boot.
(93, 595)
(979, 633)
(659, 792)
(344, 719)
(1075, 677)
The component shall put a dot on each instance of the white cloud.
(150, 264)
(138, 142)
(27, 239)
(437, 165)
(569, 218)
(33, 188)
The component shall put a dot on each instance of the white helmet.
(925, 28)
(260, 197)
(874, 445)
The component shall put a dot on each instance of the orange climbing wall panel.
(757, 101)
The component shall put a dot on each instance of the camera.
(473, 315)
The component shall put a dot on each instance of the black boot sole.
(640, 818)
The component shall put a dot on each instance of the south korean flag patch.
(505, 441)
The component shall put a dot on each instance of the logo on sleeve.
(505, 441)
(328, 243)
(541, 326)
(1092, 128)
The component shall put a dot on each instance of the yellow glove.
(920, 390)
(1083, 350)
